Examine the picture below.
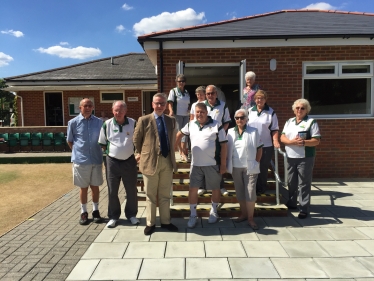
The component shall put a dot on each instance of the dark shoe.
(302, 215)
(96, 216)
(84, 219)
(148, 230)
(170, 227)
(238, 220)
(291, 207)
(253, 225)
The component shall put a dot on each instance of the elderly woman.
(250, 90)
(263, 118)
(300, 135)
(179, 102)
(243, 156)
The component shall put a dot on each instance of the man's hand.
(137, 158)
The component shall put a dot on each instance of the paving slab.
(368, 262)
(83, 270)
(252, 268)
(275, 234)
(222, 222)
(368, 231)
(281, 222)
(264, 249)
(106, 236)
(117, 269)
(224, 249)
(303, 249)
(343, 267)
(310, 234)
(368, 245)
(368, 221)
(150, 250)
(197, 268)
(185, 249)
(343, 248)
(105, 251)
(298, 268)
(345, 233)
(170, 268)
(129, 235)
(204, 234)
(231, 234)
(169, 236)
(347, 222)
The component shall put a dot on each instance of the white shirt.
(118, 138)
(265, 122)
(291, 130)
(204, 147)
(180, 101)
(218, 112)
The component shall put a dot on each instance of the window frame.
(111, 92)
(339, 75)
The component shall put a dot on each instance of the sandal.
(253, 225)
(302, 215)
(239, 220)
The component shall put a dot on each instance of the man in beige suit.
(154, 139)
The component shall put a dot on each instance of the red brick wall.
(347, 146)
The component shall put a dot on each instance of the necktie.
(162, 135)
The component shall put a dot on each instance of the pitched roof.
(280, 24)
(132, 66)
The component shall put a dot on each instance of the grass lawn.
(28, 188)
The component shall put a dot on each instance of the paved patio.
(336, 242)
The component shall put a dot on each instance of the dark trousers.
(127, 171)
(262, 180)
(300, 172)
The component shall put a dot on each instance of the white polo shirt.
(180, 101)
(265, 122)
(118, 138)
(291, 130)
(205, 142)
(219, 112)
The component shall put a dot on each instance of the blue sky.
(37, 35)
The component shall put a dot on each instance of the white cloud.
(4, 59)
(320, 6)
(72, 53)
(168, 20)
(232, 15)
(120, 28)
(13, 32)
(64, 43)
(127, 7)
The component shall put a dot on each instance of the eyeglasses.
(300, 108)
(181, 81)
(210, 93)
(159, 103)
(239, 117)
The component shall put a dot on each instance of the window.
(339, 89)
(109, 97)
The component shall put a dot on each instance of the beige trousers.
(159, 185)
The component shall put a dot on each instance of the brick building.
(324, 56)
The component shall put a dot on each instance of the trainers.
(224, 192)
(111, 224)
(192, 222)
(201, 191)
(96, 216)
(84, 218)
(213, 217)
(134, 220)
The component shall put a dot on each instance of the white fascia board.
(115, 83)
(304, 42)
(19, 88)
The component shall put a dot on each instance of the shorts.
(86, 175)
(209, 174)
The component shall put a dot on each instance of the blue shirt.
(84, 134)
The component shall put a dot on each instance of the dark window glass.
(111, 96)
(320, 69)
(338, 96)
(355, 69)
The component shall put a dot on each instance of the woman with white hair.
(250, 90)
(244, 150)
(300, 135)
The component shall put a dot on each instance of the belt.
(121, 160)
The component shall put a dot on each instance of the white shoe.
(213, 217)
(224, 192)
(111, 224)
(192, 222)
(201, 191)
(134, 220)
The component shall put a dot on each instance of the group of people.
(245, 151)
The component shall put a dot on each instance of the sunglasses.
(239, 117)
(300, 108)
(181, 81)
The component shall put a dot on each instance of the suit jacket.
(147, 142)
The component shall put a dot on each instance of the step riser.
(228, 214)
(229, 186)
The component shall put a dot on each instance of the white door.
(243, 70)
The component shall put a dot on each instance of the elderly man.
(82, 138)
(116, 138)
(218, 110)
(154, 138)
(208, 146)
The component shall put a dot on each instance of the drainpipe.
(21, 107)
(161, 68)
